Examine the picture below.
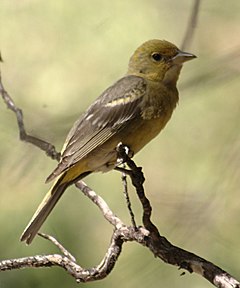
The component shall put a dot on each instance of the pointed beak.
(182, 57)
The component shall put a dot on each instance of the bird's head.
(158, 60)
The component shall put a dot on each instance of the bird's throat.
(172, 75)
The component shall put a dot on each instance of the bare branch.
(102, 205)
(80, 274)
(126, 195)
(43, 145)
(137, 178)
(59, 245)
(191, 25)
(162, 248)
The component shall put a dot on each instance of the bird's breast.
(156, 110)
(146, 130)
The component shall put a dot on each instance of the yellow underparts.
(104, 157)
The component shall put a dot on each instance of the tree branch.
(147, 236)
(192, 23)
(43, 145)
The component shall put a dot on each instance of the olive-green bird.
(132, 111)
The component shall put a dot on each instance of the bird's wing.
(106, 116)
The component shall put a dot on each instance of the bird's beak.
(182, 57)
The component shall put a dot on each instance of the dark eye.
(156, 56)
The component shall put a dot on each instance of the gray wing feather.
(105, 117)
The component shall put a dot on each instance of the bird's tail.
(44, 209)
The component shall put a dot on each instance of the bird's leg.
(123, 152)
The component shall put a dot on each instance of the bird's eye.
(156, 56)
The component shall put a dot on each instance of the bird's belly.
(137, 138)
(134, 136)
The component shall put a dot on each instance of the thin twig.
(43, 145)
(126, 195)
(138, 179)
(65, 252)
(102, 205)
(192, 23)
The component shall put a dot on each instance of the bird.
(132, 111)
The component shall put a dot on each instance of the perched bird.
(132, 111)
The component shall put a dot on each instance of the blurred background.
(58, 57)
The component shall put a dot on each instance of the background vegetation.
(59, 56)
